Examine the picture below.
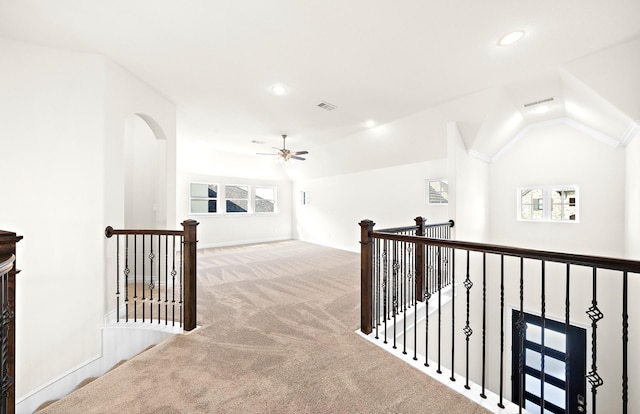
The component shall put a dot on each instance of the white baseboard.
(119, 342)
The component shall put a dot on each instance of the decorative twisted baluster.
(468, 284)
(625, 341)
(521, 326)
(595, 315)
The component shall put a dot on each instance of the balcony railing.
(155, 280)
(500, 288)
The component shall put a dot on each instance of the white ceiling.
(373, 59)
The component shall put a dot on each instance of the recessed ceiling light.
(279, 89)
(370, 123)
(510, 38)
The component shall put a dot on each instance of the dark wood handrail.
(415, 227)
(110, 231)
(609, 263)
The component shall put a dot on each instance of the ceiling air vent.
(539, 102)
(327, 106)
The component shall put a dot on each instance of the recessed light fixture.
(510, 38)
(370, 123)
(279, 89)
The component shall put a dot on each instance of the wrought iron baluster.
(166, 280)
(484, 322)
(144, 274)
(394, 267)
(501, 329)
(385, 287)
(439, 279)
(376, 273)
(595, 315)
(118, 278)
(159, 287)
(404, 294)
(625, 342)
(468, 284)
(427, 296)
(173, 283)
(151, 284)
(521, 326)
(181, 297)
(567, 348)
(415, 304)
(135, 278)
(453, 311)
(126, 278)
(543, 306)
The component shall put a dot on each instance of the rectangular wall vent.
(539, 102)
(327, 106)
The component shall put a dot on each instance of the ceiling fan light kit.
(285, 155)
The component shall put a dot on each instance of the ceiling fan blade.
(295, 157)
(300, 153)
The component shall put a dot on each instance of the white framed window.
(203, 198)
(437, 191)
(265, 199)
(236, 198)
(548, 203)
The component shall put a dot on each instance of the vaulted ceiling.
(373, 60)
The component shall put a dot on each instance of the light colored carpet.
(278, 337)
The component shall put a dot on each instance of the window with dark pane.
(237, 198)
(203, 198)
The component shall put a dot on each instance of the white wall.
(561, 155)
(632, 191)
(62, 127)
(52, 129)
(468, 188)
(391, 197)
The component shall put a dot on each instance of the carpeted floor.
(277, 336)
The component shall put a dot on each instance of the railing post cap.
(189, 222)
(108, 232)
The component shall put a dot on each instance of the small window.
(437, 192)
(203, 198)
(265, 200)
(237, 198)
(553, 203)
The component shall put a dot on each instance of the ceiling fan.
(285, 154)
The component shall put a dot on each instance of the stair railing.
(495, 276)
(8, 274)
(156, 275)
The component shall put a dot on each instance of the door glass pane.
(552, 339)
(552, 393)
(534, 408)
(552, 366)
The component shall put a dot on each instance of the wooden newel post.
(420, 256)
(366, 276)
(8, 242)
(190, 269)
